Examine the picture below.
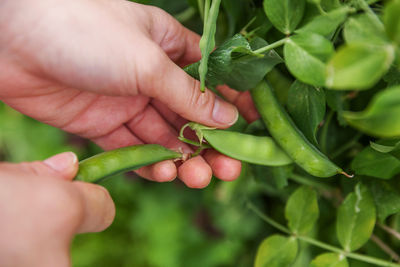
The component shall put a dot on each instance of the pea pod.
(288, 136)
(261, 150)
(121, 160)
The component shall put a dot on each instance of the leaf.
(276, 251)
(392, 20)
(302, 210)
(285, 15)
(375, 164)
(382, 116)
(358, 66)
(327, 23)
(305, 56)
(392, 149)
(356, 219)
(363, 29)
(306, 105)
(207, 41)
(330, 260)
(235, 64)
(386, 197)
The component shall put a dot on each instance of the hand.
(41, 210)
(109, 70)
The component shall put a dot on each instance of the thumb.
(181, 93)
(64, 164)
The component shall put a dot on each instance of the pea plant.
(325, 78)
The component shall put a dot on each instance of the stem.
(346, 146)
(385, 248)
(320, 244)
(185, 15)
(324, 133)
(200, 4)
(367, 9)
(389, 230)
(264, 49)
(267, 219)
(305, 181)
(320, 9)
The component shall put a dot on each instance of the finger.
(98, 208)
(64, 164)
(173, 119)
(242, 100)
(223, 167)
(152, 128)
(179, 43)
(195, 173)
(160, 172)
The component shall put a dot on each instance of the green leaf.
(305, 56)
(306, 105)
(327, 23)
(302, 210)
(392, 20)
(382, 116)
(363, 29)
(276, 251)
(358, 66)
(235, 64)
(330, 260)
(356, 219)
(375, 164)
(386, 197)
(392, 149)
(285, 15)
(207, 41)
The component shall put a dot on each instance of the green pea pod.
(121, 160)
(288, 136)
(261, 150)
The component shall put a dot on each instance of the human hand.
(109, 70)
(41, 210)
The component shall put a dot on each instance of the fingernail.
(224, 113)
(61, 162)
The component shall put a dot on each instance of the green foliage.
(381, 118)
(329, 260)
(302, 210)
(306, 55)
(306, 105)
(285, 15)
(276, 251)
(356, 219)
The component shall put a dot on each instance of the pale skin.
(109, 71)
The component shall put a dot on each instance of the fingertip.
(195, 173)
(98, 208)
(66, 164)
(164, 171)
(223, 167)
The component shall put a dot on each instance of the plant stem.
(264, 49)
(305, 181)
(346, 146)
(185, 15)
(320, 244)
(200, 4)
(389, 230)
(320, 9)
(385, 248)
(267, 219)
